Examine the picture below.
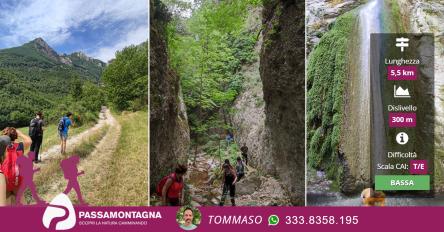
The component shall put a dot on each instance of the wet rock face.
(282, 72)
(169, 131)
(321, 14)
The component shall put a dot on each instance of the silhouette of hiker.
(26, 171)
(244, 150)
(70, 172)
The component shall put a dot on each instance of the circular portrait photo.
(188, 217)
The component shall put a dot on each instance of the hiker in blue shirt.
(63, 128)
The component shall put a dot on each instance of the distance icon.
(402, 43)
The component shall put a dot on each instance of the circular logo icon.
(273, 220)
(402, 138)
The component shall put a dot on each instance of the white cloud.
(134, 37)
(53, 20)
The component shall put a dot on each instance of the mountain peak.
(44, 48)
(40, 41)
(83, 57)
(80, 54)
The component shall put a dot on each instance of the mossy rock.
(326, 74)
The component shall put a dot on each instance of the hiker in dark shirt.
(244, 150)
(240, 169)
(36, 134)
(229, 183)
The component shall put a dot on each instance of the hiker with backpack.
(10, 179)
(228, 183)
(244, 150)
(5, 140)
(36, 134)
(64, 123)
(240, 169)
(229, 138)
(170, 188)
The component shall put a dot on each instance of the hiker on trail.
(240, 169)
(229, 138)
(36, 134)
(170, 188)
(71, 173)
(5, 140)
(9, 173)
(63, 128)
(229, 183)
(27, 171)
(244, 150)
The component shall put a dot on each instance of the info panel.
(402, 108)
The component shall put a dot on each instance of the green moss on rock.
(326, 75)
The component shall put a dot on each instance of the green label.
(402, 182)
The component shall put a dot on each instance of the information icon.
(402, 138)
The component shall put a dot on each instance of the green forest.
(33, 77)
(207, 50)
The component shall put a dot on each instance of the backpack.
(35, 128)
(162, 183)
(240, 169)
(61, 125)
(10, 168)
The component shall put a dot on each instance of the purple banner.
(216, 219)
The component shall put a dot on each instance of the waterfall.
(359, 97)
(371, 100)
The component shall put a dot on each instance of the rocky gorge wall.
(428, 17)
(269, 113)
(282, 68)
(249, 108)
(169, 131)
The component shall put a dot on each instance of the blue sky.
(98, 28)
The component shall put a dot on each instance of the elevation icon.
(399, 92)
